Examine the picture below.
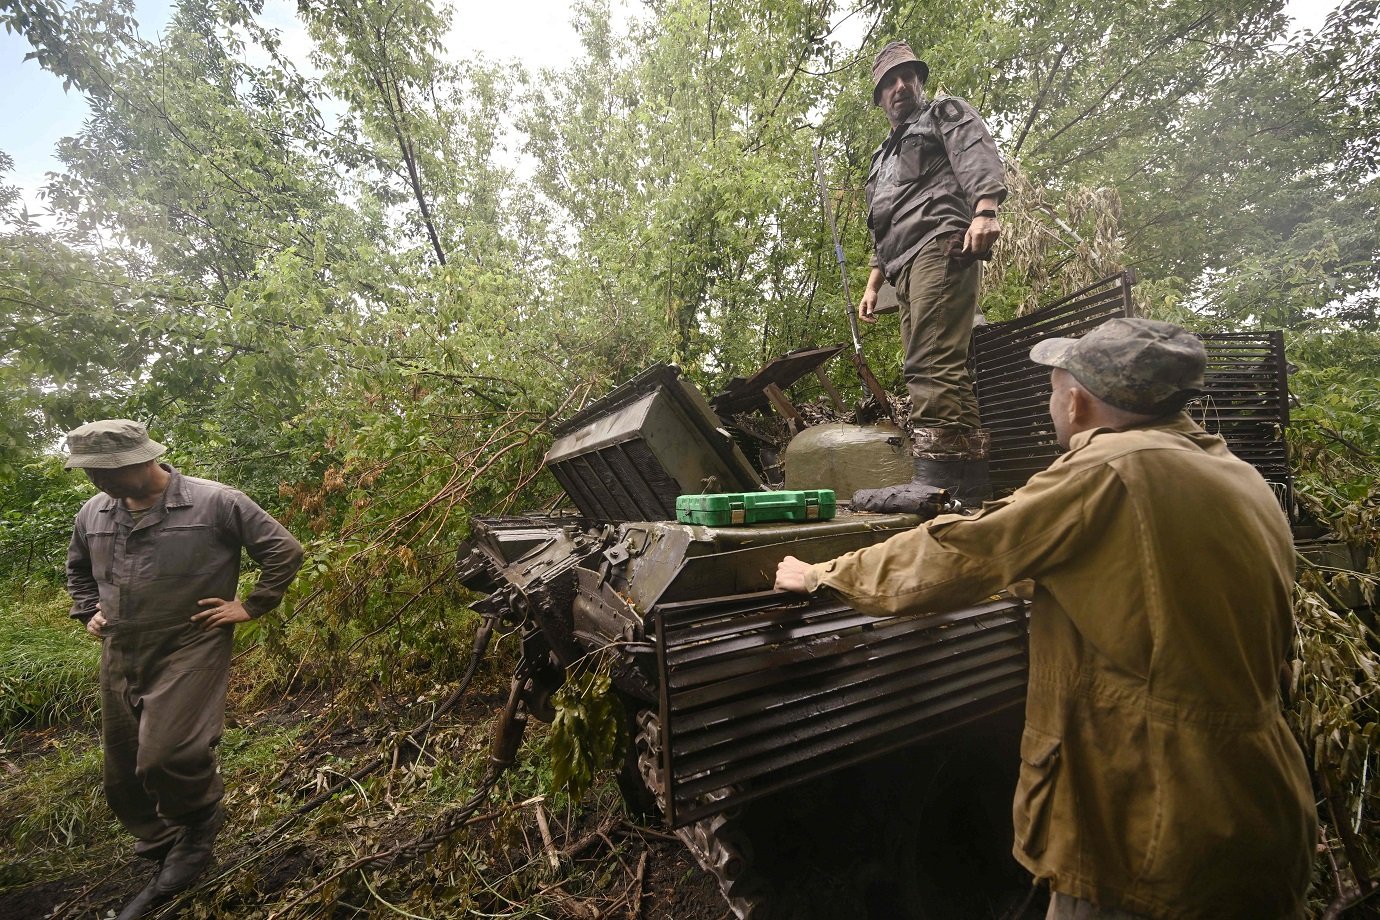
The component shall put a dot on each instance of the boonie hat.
(893, 55)
(110, 444)
(1139, 365)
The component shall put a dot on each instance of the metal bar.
(835, 397)
(729, 720)
(781, 404)
(847, 756)
(880, 651)
(664, 713)
(920, 722)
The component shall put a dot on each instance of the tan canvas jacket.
(1157, 772)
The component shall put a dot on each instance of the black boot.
(956, 460)
(188, 858)
(149, 897)
(968, 482)
(950, 465)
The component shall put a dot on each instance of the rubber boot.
(148, 898)
(973, 483)
(188, 858)
(950, 466)
(956, 460)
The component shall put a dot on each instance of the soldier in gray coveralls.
(153, 568)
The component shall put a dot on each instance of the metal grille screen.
(1013, 391)
(1247, 400)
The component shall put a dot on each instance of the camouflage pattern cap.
(110, 444)
(1139, 365)
(894, 55)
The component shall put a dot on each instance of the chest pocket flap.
(100, 549)
(185, 549)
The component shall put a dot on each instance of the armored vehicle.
(737, 695)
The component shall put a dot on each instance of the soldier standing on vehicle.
(153, 568)
(933, 190)
(1158, 777)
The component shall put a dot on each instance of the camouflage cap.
(1139, 365)
(110, 444)
(894, 55)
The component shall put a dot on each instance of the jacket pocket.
(909, 160)
(1035, 790)
(184, 549)
(100, 550)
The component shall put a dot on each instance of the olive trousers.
(162, 714)
(938, 299)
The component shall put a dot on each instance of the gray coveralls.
(163, 677)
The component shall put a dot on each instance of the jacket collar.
(900, 130)
(174, 496)
(1178, 423)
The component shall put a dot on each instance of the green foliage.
(332, 289)
(1334, 439)
(36, 521)
(48, 663)
(1334, 433)
(587, 733)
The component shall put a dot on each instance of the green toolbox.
(732, 508)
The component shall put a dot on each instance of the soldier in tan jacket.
(1158, 778)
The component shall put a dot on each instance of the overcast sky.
(35, 113)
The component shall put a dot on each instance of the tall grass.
(48, 664)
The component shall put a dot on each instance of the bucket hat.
(110, 444)
(894, 55)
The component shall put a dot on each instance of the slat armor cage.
(1246, 382)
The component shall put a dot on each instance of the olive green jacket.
(1157, 772)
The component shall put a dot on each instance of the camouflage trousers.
(938, 299)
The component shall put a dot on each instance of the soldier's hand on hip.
(220, 613)
(93, 625)
(867, 307)
(982, 234)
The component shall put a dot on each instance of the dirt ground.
(920, 835)
(674, 888)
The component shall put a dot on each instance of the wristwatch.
(986, 212)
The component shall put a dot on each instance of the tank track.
(718, 842)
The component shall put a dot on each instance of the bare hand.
(790, 575)
(93, 625)
(867, 307)
(982, 234)
(220, 613)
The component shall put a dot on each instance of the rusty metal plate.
(747, 395)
